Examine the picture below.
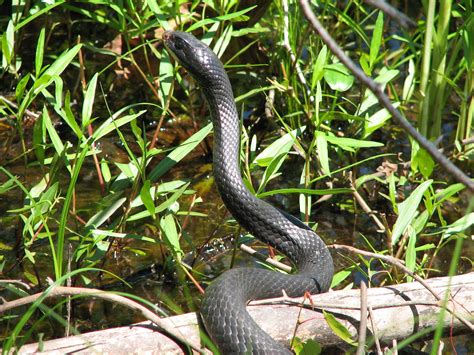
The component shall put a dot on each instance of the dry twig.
(398, 263)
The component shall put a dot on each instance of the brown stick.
(376, 338)
(261, 257)
(392, 317)
(61, 291)
(365, 207)
(363, 319)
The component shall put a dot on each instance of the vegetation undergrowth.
(105, 146)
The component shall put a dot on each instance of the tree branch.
(383, 99)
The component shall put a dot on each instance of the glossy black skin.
(223, 308)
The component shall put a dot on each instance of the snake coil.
(223, 308)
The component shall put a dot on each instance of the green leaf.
(56, 68)
(271, 171)
(365, 64)
(147, 199)
(105, 213)
(423, 162)
(376, 121)
(20, 88)
(138, 134)
(448, 192)
(409, 83)
(41, 82)
(58, 93)
(232, 16)
(322, 149)
(104, 168)
(281, 146)
(36, 190)
(317, 102)
(68, 116)
(168, 226)
(47, 198)
(309, 347)
(246, 31)
(223, 41)
(159, 190)
(376, 39)
(352, 143)
(339, 329)
(165, 77)
(318, 68)
(113, 123)
(426, 247)
(161, 17)
(7, 186)
(467, 36)
(338, 77)
(392, 189)
(340, 276)
(39, 52)
(420, 221)
(253, 92)
(64, 59)
(28, 275)
(8, 43)
(407, 210)
(460, 225)
(161, 207)
(89, 101)
(179, 153)
(129, 172)
(210, 34)
(30, 256)
(54, 136)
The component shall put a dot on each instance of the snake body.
(223, 308)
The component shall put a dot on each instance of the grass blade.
(376, 40)
(39, 52)
(89, 101)
(407, 210)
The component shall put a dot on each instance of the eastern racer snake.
(223, 308)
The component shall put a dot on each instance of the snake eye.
(179, 44)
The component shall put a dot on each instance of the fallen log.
(396, 313)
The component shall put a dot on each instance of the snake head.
(195, 56)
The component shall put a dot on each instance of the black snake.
(223, 308)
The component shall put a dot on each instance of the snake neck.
(226, 150)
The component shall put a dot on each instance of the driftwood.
(397, 312)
